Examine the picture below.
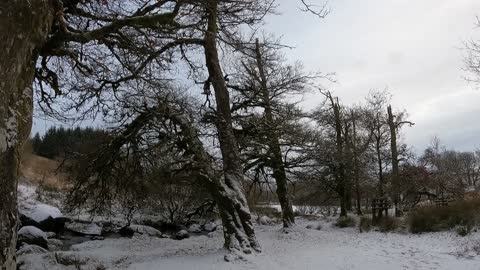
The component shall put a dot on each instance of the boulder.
(210, 226)
(55, 225)
(44, 217)
(55, 244)
(141, 229)
(33, 236)
(30, 249)
(126, 231)
(264, 220)
(41, 212)
(182, 234)
(194, 228)
(83, 228)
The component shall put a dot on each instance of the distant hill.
(41, 170)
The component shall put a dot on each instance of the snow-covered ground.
(301, 248)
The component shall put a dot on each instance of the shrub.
(388, 224)
(433, 218)
(344, 222)
(365, 224)
(463, 230)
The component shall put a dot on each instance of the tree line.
(67, 142)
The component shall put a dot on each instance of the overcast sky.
(413, 47)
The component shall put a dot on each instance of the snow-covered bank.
(301, 248)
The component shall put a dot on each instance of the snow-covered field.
(301, 248)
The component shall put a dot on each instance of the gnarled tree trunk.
(232, 202)
(24, 26)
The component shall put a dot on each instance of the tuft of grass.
(441, 218)
(344, 222)
(463, 230)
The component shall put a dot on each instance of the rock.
(27, 221)
(182, 234)
(53, 224)
(88, 229)
(43, 216)
(129, 231)
(30, 249)
(41, 212)
(108, 227)
(71, 259)
(55, 244)
(142, 229)
(210, 226)
(126, 231)
(264, 220)
(50, 234)
(33, 236)
(194, 228)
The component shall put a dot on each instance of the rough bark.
(276, 158)
(24, 26)
(394, 152)
(233, 173)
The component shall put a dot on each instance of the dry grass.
(433, 218)
(42, 171)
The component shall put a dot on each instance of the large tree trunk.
(277, 163)
(24, 26)
(380, 170)
(356, 166)
(236, 204)
(394, 152)
(347, 170)
(340, 175)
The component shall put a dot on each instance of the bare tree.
(378, 125)
(263, 86)
(335, 162)
(395, 122)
